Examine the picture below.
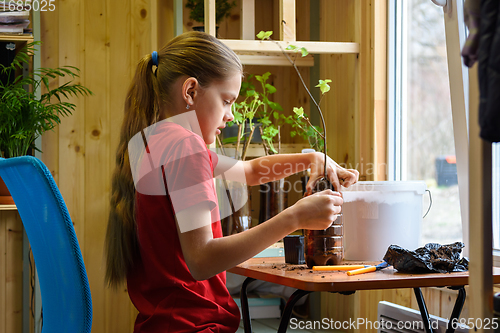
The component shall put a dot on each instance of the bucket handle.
(430, 203)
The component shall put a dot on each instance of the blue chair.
(66, 299)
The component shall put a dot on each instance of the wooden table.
(305, 281)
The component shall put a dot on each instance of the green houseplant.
(23, 115)
(197, 7)
(270, 117)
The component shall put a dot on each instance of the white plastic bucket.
(379, 214)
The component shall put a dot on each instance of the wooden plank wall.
(363, 304)
(349, 106)
(340, 106)
(105, 39)
(11, 272)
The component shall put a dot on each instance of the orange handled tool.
(368, 269)
(338, 267)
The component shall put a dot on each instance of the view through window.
(428, 144)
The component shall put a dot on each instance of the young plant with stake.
(323, 85)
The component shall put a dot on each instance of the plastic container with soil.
(325, 247)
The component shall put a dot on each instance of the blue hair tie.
(154, 56)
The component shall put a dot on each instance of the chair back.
(65, 291)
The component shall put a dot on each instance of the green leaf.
(250, 116)
(250, 93)
(293, 133)
(263, 78)
(299, 111)
(263, 35)
(238, 117)
(276, 115)
(296, 49)
(323, 85)
(275, 106)
(270, 89)
(232, 139)
(265, 121)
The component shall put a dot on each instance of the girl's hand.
(337, 175)
(317, 211)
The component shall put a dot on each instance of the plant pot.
(241, 219)
(273, 199)
(232, 132)
(294, 249)
(5, 198)
(325, 247)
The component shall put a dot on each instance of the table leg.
(247, 324)
(423, 310)
(457, 309)
(287, 312)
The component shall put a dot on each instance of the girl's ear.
(190, 90)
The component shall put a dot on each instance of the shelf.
(256, 149)
(8, 207)
(270, 47)
(5, 37)
(266, 59)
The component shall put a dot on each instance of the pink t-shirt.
(160, 285)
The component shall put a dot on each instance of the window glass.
(428, 144)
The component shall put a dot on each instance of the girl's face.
(213, 106)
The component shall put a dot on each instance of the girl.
(164, 235)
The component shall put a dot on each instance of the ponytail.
(141, 110)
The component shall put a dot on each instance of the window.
(421, 137)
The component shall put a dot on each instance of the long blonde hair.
(192, 54)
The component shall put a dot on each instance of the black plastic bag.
(432, 258)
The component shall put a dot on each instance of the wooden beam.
(380, 88)
(480, 213)
(247, 20)
(256, 149)
(287, 21)
(264, 59)
(178, 18)
(271, 46)
(210, 17)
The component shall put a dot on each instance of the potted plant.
(315, 254)
(273, 197)
(24, 116)
(244, 113)
(197, 7)
(270, 117)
